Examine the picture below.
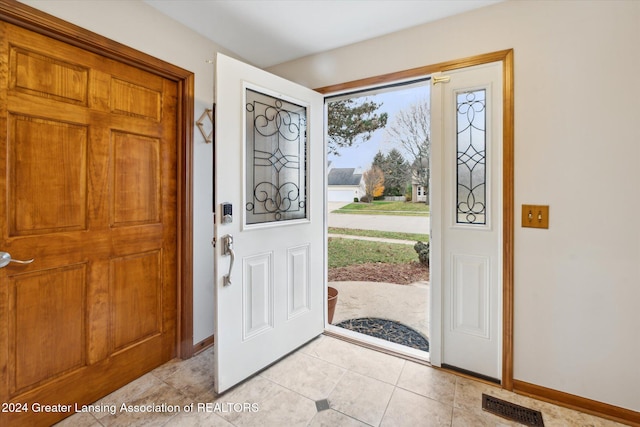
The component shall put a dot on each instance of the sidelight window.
(471, 145)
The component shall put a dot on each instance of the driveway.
(402, 224)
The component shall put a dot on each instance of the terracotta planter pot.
(332, 300)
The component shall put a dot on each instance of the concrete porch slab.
(407, 304)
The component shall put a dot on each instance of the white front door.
(269, 168)
(466, 217)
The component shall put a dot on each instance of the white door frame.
(506, 57)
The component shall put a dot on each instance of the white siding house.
(344, 185)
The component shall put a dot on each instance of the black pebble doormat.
(388, 330)
(511, 411)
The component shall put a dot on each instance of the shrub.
(365, 199)
(423, 252)
(355, 200)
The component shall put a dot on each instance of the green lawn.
(385, 208)
(375, 233)
(344, 252)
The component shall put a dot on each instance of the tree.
(396, 173)
(395, 169)
(373, 182)
(379, 160)
(352, 121)
(411, 128)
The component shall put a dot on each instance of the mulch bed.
(402, 274)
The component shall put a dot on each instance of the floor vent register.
(511, 411)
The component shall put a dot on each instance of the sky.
(361, 155)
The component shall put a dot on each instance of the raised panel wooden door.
(88, 190)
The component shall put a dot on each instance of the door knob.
(5, 259)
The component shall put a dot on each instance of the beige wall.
(577, 145)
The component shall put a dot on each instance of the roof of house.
(344, 176)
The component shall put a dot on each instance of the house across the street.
(344, 185)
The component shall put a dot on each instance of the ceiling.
(269, 32)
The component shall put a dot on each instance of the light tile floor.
(363, 388)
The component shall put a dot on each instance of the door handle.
(227, 249)
(5, 259)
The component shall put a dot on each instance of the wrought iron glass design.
(276, 147)
(471, 144)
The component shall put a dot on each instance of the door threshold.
(377, 344)
(474, 375)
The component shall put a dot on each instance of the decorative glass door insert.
(471, 197)
(276, 163)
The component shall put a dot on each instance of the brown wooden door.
(87, 189)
